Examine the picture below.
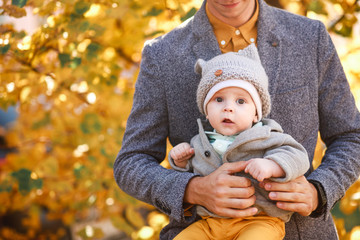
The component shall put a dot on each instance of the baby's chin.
(228, 132)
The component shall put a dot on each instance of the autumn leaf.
(82, 7)
(189, 14)
(154, 12)
(25, 182)
(90, 123)
(19, 3)
(318, 7)
(4, 49)
(14, 11)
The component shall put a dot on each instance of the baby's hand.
(261, 168)
(181, 153)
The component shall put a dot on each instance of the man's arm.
(339, 125)
(339, 129)
(137, 170)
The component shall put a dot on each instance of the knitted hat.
(234, 69)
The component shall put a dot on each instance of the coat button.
(274, 44)
(207, 153)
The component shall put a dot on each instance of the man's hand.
(298, 195)
(223, 193)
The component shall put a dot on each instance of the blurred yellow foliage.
(72, 81)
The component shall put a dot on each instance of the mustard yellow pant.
(250, 228)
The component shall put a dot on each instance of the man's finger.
(293, 186)
(234, 167)
(301, 208)
(287, 196)
(236, 213)
(244, 192)
(235, 181)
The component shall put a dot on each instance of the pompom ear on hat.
(250, 52)
(200, 63)
(243, 65)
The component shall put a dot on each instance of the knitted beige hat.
(226, 70)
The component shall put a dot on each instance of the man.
(309, 93)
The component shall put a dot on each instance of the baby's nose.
(228, 108)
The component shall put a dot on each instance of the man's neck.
(238, 17)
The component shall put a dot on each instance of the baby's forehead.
(234, 90)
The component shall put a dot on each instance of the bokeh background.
(67, 74)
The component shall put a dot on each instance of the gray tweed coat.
(309, 92)
(266, 141)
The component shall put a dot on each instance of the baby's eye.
(218, 99)
(240, 101)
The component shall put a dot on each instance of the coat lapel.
(269, 44)
(206, 46)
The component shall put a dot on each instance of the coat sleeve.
(339, 125)
(136, 169)
(187, 168)
(290, 155)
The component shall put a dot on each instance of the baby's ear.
(199, 65)
(255, 120)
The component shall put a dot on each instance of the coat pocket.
(296, 111)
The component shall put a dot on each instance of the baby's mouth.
(226, 120)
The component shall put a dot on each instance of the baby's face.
(231, 110)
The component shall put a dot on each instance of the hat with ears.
(241, 69)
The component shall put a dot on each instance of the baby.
(233, 95)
